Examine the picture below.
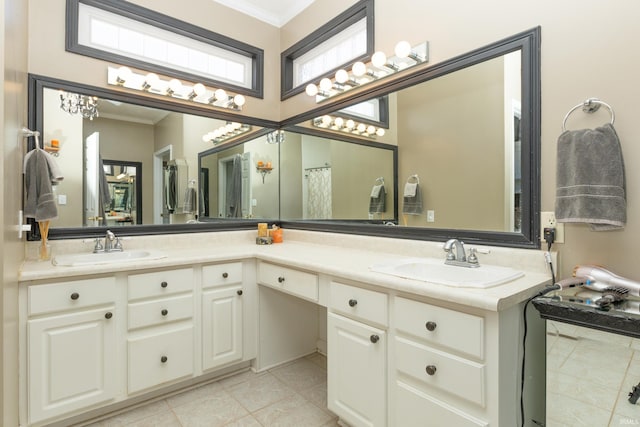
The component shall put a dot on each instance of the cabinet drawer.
(289, 280)
(358, 303)
(160, 311)
(160, 283)
(71, 295)
(221, 274)
(441, 370)
(447, 328)
(160, 358)
(413, 408)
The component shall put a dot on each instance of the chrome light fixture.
(152, 83)
(74, 103)
(223, 133)
(350, 126)
(276, 137)
(361, 74)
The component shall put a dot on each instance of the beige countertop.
(335, 255)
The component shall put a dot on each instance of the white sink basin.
(436, 271)
(74, 260)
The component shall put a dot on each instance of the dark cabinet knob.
(225, 275)
(431, 326)
(108, 315)
(164, 312)
(164, 359)
(280, 279)
(353, 302)
(239, 291)
(75, 296)
(431, 369)
(374, 338)
(164, 284)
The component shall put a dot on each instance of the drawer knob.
(108, 315)
(75, 296)
(353, 302)
(164, 359)
(164, 284)
(239, 291)
(225, 275)
(431, 326)
(280, 279)
(431, 369)
(164, 312)
(374, 338)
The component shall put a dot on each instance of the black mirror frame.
(528, 42)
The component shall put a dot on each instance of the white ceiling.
(274, 12)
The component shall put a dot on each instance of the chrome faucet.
(456, 254)
(111, 243)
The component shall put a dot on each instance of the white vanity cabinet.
(439, 373)
(357, 354)
(222, 314)
(160, 342)
(72, 346)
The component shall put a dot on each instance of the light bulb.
(221, 95)
(371, 130)
(339, 121)
(207, 137)
(199, 89)
(403, 49)
(359, 69)
(326, 84)
(174, 86)
(342, 76)
(326, 120)
(361, 127)
(351, 124)
(379, 59)
(151, 80)
(239, 100)
(380, 132)
(236, 125)
(311, 89)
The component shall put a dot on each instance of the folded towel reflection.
(189, 200)
(412, 204)
(377, 200)
(591, 179)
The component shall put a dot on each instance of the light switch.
(254, 202)
(62, 199)
(431, 216)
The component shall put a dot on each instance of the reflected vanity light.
(380, 66)
(74, 103)
(347, 125)
(223, 133)
(152, 83)
(275, 137)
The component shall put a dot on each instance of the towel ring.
(589, 106)
(416, 177)
(380, 180)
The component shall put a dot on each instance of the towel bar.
(589, 106)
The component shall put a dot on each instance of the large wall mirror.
(467, 136)
(465, 130)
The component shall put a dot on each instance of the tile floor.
(293, 395)
(589, 376)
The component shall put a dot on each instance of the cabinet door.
(221, 326)
(356, 371)
(71, 362)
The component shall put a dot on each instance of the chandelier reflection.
(275, 137)
(74, 103)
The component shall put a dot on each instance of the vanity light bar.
(361, 74)
(223, 133)
(347, 125)
(152, 83)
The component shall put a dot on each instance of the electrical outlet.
(548, 220)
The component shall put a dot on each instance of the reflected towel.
(189, 200)
(412, 205)
(590, 179)
(377, 200)
(40, 201)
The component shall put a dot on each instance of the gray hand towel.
(189, 200)
(590, 179)
(377, 204)
(412, 205)
(40, 201)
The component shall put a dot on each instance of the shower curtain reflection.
(318, 204)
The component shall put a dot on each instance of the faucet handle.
(472, 258)
(118, 245)
(98, 246)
